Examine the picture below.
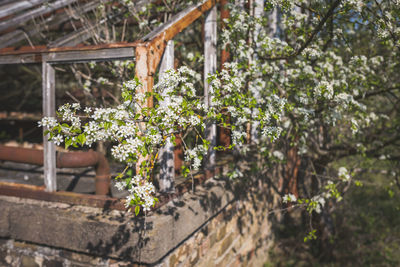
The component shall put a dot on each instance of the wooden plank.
(49, 107)
(18, 20)
(167, 170)
(180, 21)
(91, 55)
(210, 67)
(78, 54)
(20, 59)
(142, 72)
(44, 49)
(18, 7)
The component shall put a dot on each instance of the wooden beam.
(143, 73)
(20, 59)
(180, 21)
(115, 51)
(49, 108)
(167, 162)
(91, 55)
(18, 20)
(210, 67)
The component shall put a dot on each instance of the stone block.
(224, 260)
(53, 263)
(205, 246)
(221, 232)
(194, 258)
(199, 238)
(213, 239)
(225, 244)
(231, 226)
(247, 248)
(29, 261)
(173, 260)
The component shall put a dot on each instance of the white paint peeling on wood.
(210, 67)
(49, 106)
(167, 168)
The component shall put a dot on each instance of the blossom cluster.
(137, 132)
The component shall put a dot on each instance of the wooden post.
(167, 170)
(143, 74)
(148, 56)
(49, 107)
(210, 67)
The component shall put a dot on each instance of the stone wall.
(239, 236)
(223, 223)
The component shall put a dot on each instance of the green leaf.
(137, 210)
(68, 142)
(81, 139)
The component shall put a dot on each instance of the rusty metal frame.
(148, 52)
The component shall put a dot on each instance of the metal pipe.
(64, 160)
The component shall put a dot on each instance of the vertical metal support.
(49, 107)
(210, 67)
(258, 12)
(167, 170)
